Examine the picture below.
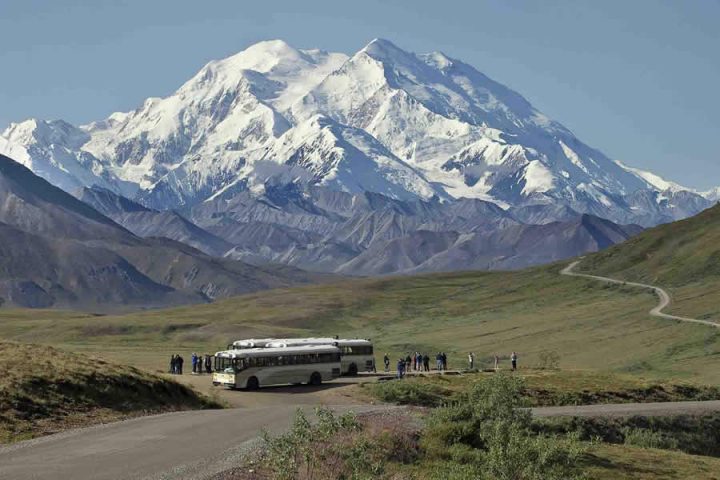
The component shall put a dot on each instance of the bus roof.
(341, 342)
(259, 342)
(264, 352)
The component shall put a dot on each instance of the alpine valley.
(377, 163)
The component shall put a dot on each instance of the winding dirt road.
(663, 296)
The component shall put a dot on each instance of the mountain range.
(56, 251)
(318, 229)
(384, 161)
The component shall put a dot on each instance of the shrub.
(641, 437)
(339, 447)
(410, 392)
(489, 428)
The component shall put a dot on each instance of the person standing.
(179, 364)
(400, 368)
(172, 364)
(513, 360)
(497, 363)
(193, 360)
(426, 362)
(414, 361)
(408, 364)
(438, 361)
(471, 360)
(444, 361)
(208, 363)
(386, 361)
(419, 363)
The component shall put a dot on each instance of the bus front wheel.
(252, 383)
(315, 379)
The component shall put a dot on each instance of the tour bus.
(355, 354)
(254, 367)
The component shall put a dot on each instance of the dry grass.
(613, 462)
(44, 390)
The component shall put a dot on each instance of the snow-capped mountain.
(408, 126)
(712, 195)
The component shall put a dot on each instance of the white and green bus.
(252, 368)
(356, 354)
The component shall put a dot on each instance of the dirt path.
(663, 296)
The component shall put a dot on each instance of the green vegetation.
(543, 388)
(579, 340)
(486, 433)
(482, 435)
(551, 320)
(336, 447)
(43, 390)
(531, 312)
(410, 391)
(697, 435)
(682, 257)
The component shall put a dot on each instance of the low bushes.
(487, 434)
(410, 392)
(339, 447)
(697, 435)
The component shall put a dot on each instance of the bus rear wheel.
(352, 370)
(315, 379)
(253, 383)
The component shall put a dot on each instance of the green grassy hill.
(676, 254)
(589, 324)
(44, 390)
(683, 257)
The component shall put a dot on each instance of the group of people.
(418, 362)
(176, 365)
(200, 364)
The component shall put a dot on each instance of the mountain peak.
(261, 57)
(381, 49)
(45, 132)
(274, 47)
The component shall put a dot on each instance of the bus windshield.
(230, 365)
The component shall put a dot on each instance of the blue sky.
(637, 79)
